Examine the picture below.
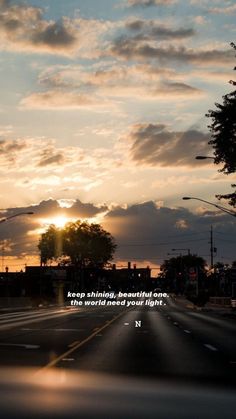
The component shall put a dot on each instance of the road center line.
(74, 348)
(187, 331)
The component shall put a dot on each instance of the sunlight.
(59, 221)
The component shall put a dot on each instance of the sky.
(102, 112)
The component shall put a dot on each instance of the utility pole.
(211, 248)
(3, 250)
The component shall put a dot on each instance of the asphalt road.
(169, 342)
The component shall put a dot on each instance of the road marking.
(51, 330)
(176, 323)
(187, 331)
(68, 359)
(126, 324)
(99, 335)
(24, 345)
(12, 323)
(73, 344)
(83, 342)
(232, 362)
(212, 348)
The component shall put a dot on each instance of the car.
(64, 394)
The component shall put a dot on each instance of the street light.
(233, 213)
(15, 215)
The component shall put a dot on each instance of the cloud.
(50, 157)
(59, 99)
(148, 3)
(86, 210)
(200, 20)
(153, 30)
(71, 86)
(128, 48)
(24, 28)
(156, 145)
(10, 150)
(11, 146)
(143, 231)
(27, 154)
(228, 10)
(23, 235)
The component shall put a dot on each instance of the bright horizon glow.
(59, 221)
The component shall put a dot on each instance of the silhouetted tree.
(175, 270)
(50, 244)
(83, 244)
(223, 136)
(179, 264)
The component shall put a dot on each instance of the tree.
(83, 244)
(50, 244)
(175, 270)
(223, 136)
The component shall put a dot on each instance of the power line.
(159, 244)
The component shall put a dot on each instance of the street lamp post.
(220, 207)
(15, 215)
(3, 221)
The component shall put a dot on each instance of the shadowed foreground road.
(162, 342)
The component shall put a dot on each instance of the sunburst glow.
(59, 221)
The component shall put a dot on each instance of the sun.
(59, 221)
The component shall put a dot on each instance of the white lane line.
(68, 359)
(212, 348)
(24, 345)
(98, 336)
(51, 330)
(187, 331)
(20, 314)
(126, 324)
(20, 322)
(32, 316)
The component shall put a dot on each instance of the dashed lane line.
(80, 344)
(211, 347)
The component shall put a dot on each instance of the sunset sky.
(102, 113)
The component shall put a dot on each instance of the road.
(169, 342)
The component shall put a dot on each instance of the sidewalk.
(209, 307)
